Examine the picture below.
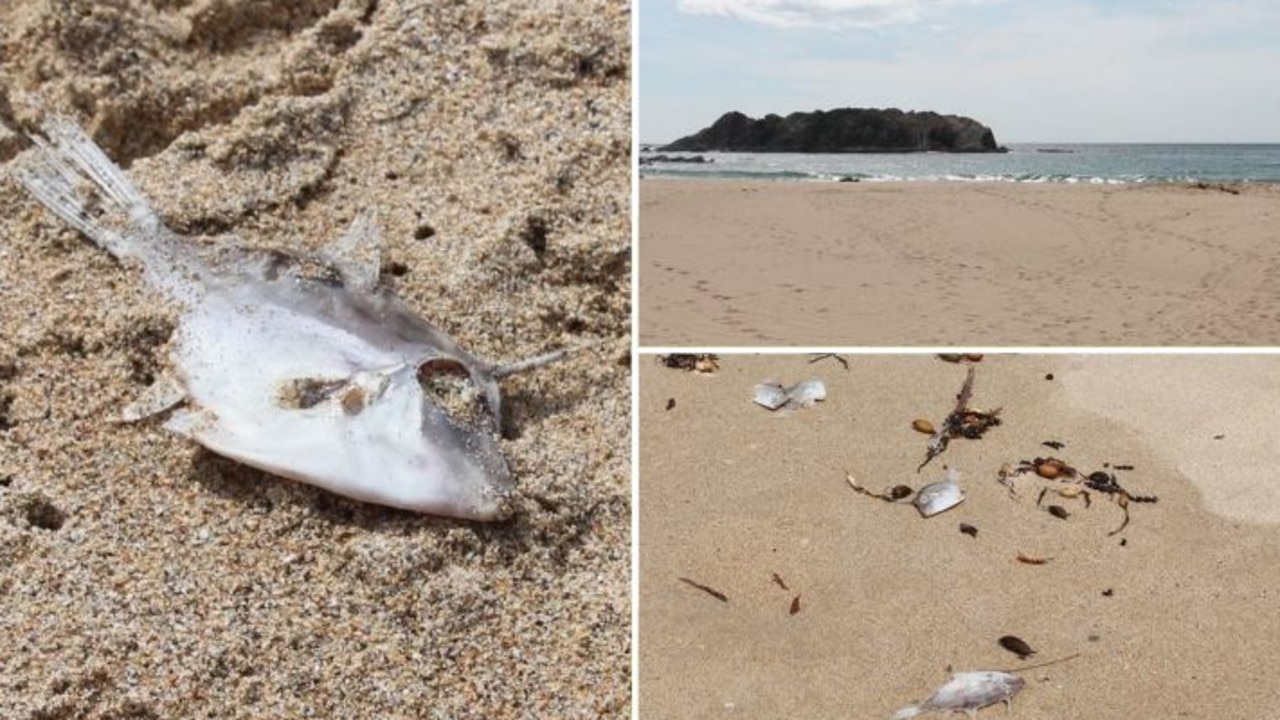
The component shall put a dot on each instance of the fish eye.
(447, 383)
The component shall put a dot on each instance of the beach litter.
(962, 422)
(774, 396)
(302, 367)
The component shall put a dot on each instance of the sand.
(1173, 617)
(749, 264)
(143, 577)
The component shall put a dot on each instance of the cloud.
(832, 14)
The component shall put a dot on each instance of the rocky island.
(844, 130)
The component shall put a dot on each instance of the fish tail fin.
(909, 711)
(57, 172)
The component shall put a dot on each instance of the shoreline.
(1090, 182)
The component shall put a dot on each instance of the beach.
(750, 263)
(1172, 616)
(142, 576)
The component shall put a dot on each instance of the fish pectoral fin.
(357, 255)
(160, 396)
(192, 423)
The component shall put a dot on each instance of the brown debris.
(704, 363)
(1017, 646)
(893, 494)
(963, 421)
(777, 579)
(706, 589)
(795, 605)
(1030, 560)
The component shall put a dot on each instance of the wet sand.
(750, 264)
(1173, 617)
(143, 577)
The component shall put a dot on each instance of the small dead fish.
(773, 395)
(331, 380)
(1017, 646)
(967, 692)
(940, 496)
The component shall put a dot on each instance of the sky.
(1032, 70)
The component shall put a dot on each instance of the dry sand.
(729, 263)
(730, 493)
(143, 577)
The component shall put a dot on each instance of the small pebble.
(1017, 646)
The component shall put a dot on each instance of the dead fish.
(967, 692)
(940, 496)
(773, 395)
(332, 382)
(770, 395)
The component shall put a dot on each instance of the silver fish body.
(940, 496)
(332, 382)
(967, 692)
(773, 395)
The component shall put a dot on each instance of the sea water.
(1025, 162)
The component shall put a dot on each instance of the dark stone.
(694, 159)
(844, 130)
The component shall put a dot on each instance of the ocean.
(1025, 162)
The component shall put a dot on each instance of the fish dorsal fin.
(161, 395)
(357, 255)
